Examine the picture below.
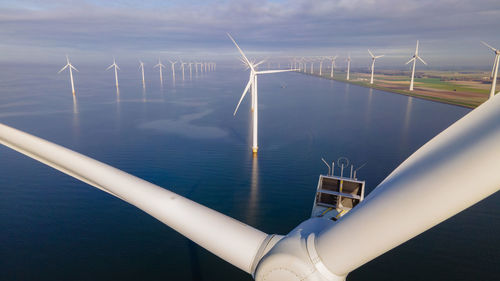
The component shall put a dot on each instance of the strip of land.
(467, 88)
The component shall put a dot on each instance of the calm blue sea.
(184, 137)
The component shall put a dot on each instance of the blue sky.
(449, 30)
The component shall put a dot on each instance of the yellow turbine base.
(254, 149)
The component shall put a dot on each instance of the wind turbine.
(321, 66)
(71, 67)
(182, 67)
(414, 60)
(333, 65)
(141, 66)
(317, 249)
(348, 66)
(373, 64)
(494, 70)
(173, 68)
(252, 82)
(190, 70)
(160, 66)
(312, 66)
(115, 66)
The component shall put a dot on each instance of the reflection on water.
(253, 202)
(407, 114)
(405, 129)
(75, 106)
(368, 110)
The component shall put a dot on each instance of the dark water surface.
(183, 137)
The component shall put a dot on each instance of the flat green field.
(466, 88)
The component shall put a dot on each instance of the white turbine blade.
(250, 82)
(486, 44)
(73, 67)
(109, 67)
(412, 59)
(63, 68)
(379, 56)
(259, 63)
(231, 240)
(117, 66)
(422, 60)
(370, 53)
(453, 171)
(241, 52)
(156, 66)
(274, 71)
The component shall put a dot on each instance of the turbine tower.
(333, 65)
(494, 70)
(414, 60)
(321, 66)
(172, 63)
(115, 66)
(252, 82)
(160, 66)
(182, 67)
(141, 66)
(348, 66)
(373, 64)
(71, 67)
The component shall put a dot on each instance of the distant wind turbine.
(160, 66)
(71, 67)
(115, 66)
(252, 82)
(348, 66)
(141, 66)
(173, 68)
(182, 67)
(333, 65)
(414, 60)
(373, 64)
(494, 70)
(190, 69)
(320, 66)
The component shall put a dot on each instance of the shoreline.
(395, 91)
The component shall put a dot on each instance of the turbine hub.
(294, 257)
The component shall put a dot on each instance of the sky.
(94, 30)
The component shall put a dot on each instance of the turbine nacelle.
(159, 64)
